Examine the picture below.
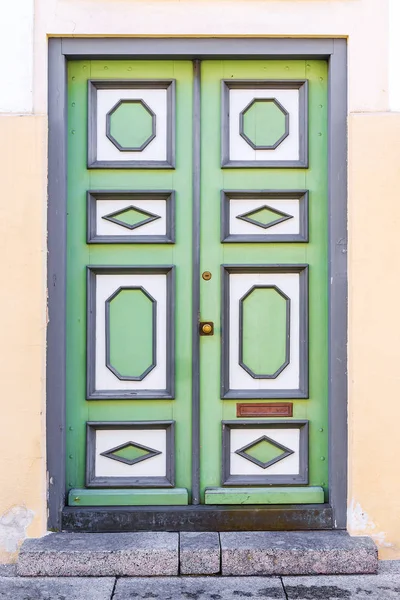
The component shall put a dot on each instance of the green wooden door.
(145, 409)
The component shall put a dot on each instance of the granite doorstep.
(199, 553)
(59, 588)
(385, 586)
(100, 555)
(199, 588)
(296, 553)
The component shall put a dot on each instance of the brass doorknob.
(206, 328)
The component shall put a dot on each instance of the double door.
(197, 291)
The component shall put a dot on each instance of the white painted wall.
(16, 56)
(364, 22)
(394, 55)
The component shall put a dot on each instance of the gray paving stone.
(200, 588)
(199, 553)
(26, 588)
(296, 553)
(8, 570)
(99, 554)
(339, 587)
(389, 566)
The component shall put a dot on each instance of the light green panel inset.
(132, 216)
(265, 216)
(131, 124)
(264, 123)
(131, 332)
(272, 495)
(264, 451)
(115, 497)
(130, 452)
(264, 330)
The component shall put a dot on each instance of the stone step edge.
(190, 553)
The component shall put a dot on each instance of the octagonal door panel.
(196, 338)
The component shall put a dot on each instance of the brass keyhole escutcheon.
(207, 328)
(206, 275)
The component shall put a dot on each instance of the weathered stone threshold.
(144, 554)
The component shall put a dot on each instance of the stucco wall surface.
(365, 22)
(23, 141)
(374, 329)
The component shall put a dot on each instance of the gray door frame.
(61, 50)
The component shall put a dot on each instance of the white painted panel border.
(156, 99)
(286, 205)
(156, 286)
(239, 149)
(105, 227)
(151, 467)
(291, 470)
(286, 466)
(289, 284)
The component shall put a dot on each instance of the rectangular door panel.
(130, 332)
(265, 331)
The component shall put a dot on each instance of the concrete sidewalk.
(384, 586)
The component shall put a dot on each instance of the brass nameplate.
(278, 409)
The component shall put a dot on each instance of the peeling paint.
(360, 523)
(13, 526)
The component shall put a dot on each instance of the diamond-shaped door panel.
(264, 452)
(261, 452)
(264, 123)
(131, 217)
(265, 217)
(131, 125)
(130, 453)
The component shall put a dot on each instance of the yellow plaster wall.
(374, 329)
(22, 330)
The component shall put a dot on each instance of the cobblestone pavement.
(384, 586)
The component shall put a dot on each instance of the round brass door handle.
(206, 328)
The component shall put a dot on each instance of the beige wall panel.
(364, 21)
(22, 350)
(374, 330)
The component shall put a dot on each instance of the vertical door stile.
(196, 287)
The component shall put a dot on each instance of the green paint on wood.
(273, 495)
(116, 497)
(80, 254)
(264, 123)
(264, 451)
(315, 252)
(264, 216)
(131, 332)
(130, 452)
(131, 216)
(131, 124)
(264, 332)
(213, 254)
